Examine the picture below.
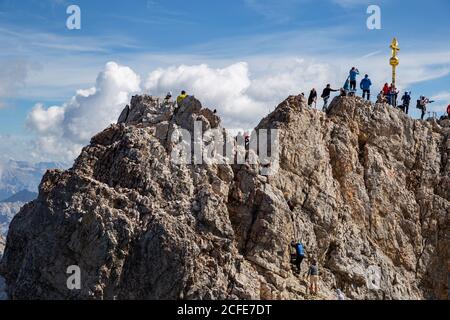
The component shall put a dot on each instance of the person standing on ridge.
(365, 87)
(312, 98)
(406, 101)
(326, 96)
(181, 97)
(448, 111)
(353, 74)
(299, 254)
(313, 275)
(422, 105)
(386, 90)
(394, 95)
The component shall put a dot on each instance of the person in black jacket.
(326, 96)
(406, 101)
(312, 98)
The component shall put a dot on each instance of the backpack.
(300, 250)
(419, 105)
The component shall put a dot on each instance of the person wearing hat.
(168, 98)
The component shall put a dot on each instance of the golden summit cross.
(394, 61)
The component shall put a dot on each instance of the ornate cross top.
(394, 47)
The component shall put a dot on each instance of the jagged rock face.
(365, 188)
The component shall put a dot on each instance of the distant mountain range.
(17, 176)
(19, 182)
(21, 196)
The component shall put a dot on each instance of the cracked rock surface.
(366, 189)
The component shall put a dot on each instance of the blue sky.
(284, 45)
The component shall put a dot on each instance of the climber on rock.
(181, 97)
(312, 98)
(353, 74)
(299, 254)
(365, 87)
(313, 275)
(406, 101)
(326, 96)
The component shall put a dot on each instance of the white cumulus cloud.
(63, 130)
(241, 99)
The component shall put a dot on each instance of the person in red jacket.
(386, 89)
(448, 110)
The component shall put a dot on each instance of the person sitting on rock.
(168, 99)
(312, 98)
(381, 97)
(326, 96)
(181, 97)
(365, 87)
(299, 254)
(313, 275)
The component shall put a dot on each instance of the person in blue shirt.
(299, 252)
(365, 87)
(353, 74)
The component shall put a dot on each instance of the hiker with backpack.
(299, 254)
(365, 87)
(326, 96)
(422, 105)
(312, 98)
(406, 101)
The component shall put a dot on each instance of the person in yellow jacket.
(181, 97)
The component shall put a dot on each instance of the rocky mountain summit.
(365, 187)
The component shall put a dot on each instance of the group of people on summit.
(389, 94)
